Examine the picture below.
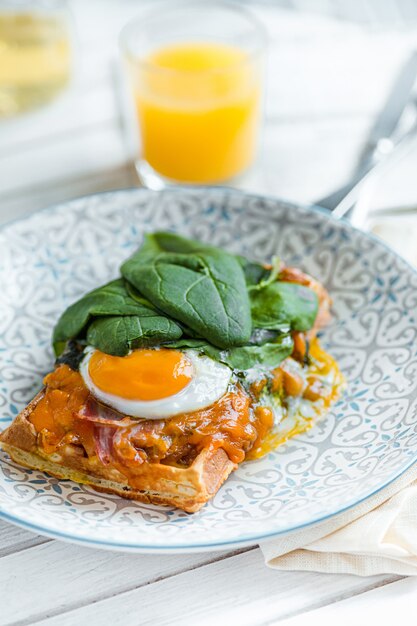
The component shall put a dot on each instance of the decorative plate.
(49, 259)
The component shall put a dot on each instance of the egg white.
(209, 383)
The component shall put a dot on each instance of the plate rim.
(188, 548)
(243, 541)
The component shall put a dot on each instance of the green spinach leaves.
(118, 335)
(279, 304)
(186, 294)
(268, 352)
(199, 285)
(102, 310)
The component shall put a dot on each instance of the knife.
(381, 139)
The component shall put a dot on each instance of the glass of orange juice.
(196, 74)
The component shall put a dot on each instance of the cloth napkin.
(378, 536)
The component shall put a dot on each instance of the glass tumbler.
(35, 53)
(195, 71)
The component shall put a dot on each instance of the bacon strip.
(103, 439)
(106, 422)
(93, 411)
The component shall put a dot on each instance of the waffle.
(186, 488)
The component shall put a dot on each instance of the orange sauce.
(229, 423)
(65, 394)
(233, 423)
(322, 364)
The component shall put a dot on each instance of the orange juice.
(198, 109)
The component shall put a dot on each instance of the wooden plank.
(316, 72)
(238, 590)
(391, 604)
(371, 12)
(288, 154)
(14, 539)
(74, 112)
(304, 160)
(23, 202)
(64, 576)
(98, 148)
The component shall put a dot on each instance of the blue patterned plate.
(369, 438)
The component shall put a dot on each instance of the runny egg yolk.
(142, 374)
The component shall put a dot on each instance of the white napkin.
(378, 536)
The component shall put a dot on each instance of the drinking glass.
(195, 71)
(35, 53)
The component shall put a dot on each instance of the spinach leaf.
(281, 303)
(201, 345)
(137, 297)
(118, 335)
(269, 352)
(109, 300)
(200, 285)
(258, 275)
(254, 272)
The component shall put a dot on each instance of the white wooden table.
(326, 81)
